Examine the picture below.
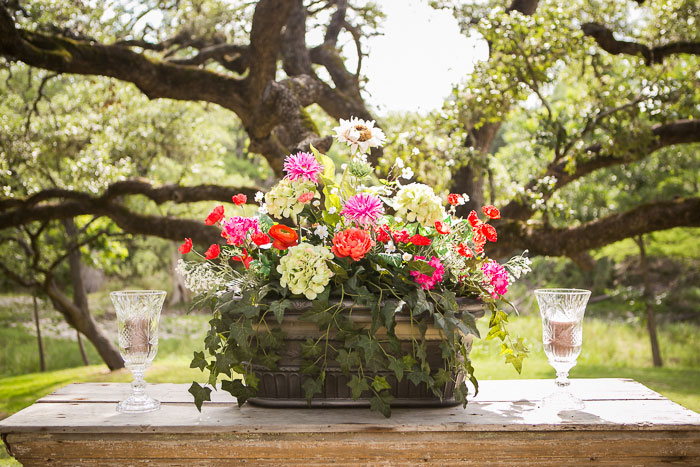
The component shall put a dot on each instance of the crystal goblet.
(138, 313)
(562, 335)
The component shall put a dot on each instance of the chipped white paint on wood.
(623, 423)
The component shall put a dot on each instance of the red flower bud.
(491, 211)
(215, 216)
(212, 252)
(239, 199)
(186, 247)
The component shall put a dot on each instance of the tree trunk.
(83, 355)
(42, 360)
(77, 312)
(648, 300)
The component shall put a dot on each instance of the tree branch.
(663, 135)
(572, 241)
(606, 40)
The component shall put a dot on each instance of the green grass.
(611, 349)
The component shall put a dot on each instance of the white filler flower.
(359, 133)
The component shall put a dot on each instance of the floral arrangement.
(328, 237)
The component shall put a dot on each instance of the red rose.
(216, 215)
(420, 240)
(401, 236)
(212, 252)
(442, 228)
(283, 236)
(352, 242)
(260, 238)
(244, 258)
(473, 219)
(186, 247)
(239, 199)
(464, 250)
(491, 211)
(454, 199)
(488, 231)
(383, 233)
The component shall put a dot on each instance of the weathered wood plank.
(490, 391)
(498, 416)
(363, 445)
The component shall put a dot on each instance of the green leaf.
(327, 162)
(311, 387)
(238, 390)
(200, 394)
(199, 361)
(467, 324)
(379, 383)
(418, 376)
(357, 386)
(397, 366)
(382, 403)
(278, 307)
(421, 266)
(348, 360)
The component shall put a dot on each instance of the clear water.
(562, 342)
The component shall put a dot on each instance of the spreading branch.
(606, 40)
(546, 240)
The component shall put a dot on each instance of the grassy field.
(610, 349)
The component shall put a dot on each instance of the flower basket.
(283, 387)
(344, 289)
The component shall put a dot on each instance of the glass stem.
(562, 380)
(138, 385)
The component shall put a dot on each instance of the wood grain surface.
(623, 423)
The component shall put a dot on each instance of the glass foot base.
(562, 400)
(138, 405)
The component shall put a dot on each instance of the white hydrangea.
(283, 199)
(305, 269)
(418, 202)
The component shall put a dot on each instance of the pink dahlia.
(236, 228)
(365, 209)
(425, 281)
(496, 278)
(302, 165)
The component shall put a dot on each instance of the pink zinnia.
(425, 281)
(496, 278)
(302, 165)
(236, 228)
(364, 209)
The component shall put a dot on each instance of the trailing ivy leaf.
(461, 393)
(467, 324)
(340, 274)
(421, 266)
(379, 383)
(200, 394)
(348, 360)
(441, 377)
(223, 363)
(311, 387)
(199, 361)
(397, 367)
(238, 390)
(278, 307)
(357, 386)
(388, 312)
(240, 332)
(382, 403)
(418, 376)
(422, 303)
(391, 260)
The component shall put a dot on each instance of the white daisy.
(359, 133)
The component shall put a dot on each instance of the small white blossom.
(334, 191)
(343, 166)
(407, 256)
(259, 196)
(316, 203)
(332, 210)
(407, 173)
(399, 163)
(415, 151)
(321, 231)
(390, 247)
(263, 209)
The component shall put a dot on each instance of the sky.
(421, 55)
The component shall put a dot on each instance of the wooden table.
(624, 423)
